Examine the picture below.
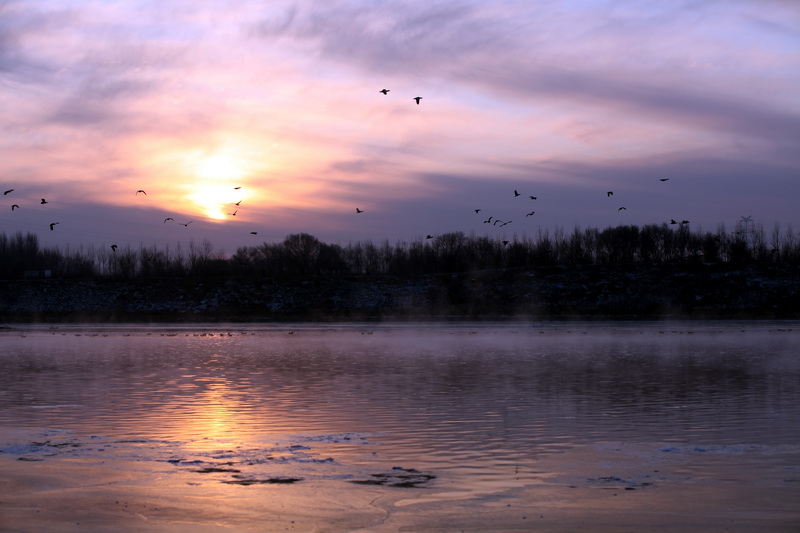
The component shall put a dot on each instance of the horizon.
(278, 107)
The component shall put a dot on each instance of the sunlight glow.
(217, 180)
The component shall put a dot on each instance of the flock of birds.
(114, 247)
(492, 220)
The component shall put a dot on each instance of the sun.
(216, 201)
(217, 182)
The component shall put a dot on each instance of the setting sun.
(216, 201)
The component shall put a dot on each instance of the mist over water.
(477, 403)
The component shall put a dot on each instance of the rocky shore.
(590, 291)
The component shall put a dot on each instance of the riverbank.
(588, 291)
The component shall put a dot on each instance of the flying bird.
(505, 243)
(236, 188)
(234, 213)
(168, 218)
(8, 191)
(14, 206)
(516, 193)
(141, 191)
(610, 193)
(187, 224)
(477, 210)
(114, 248)
(429, 237)
(673, 221)
(417, 98)
(488, 220)
(237, 203)
(43, 201)
(359, 210)
(622, 209)
(531, 214)
(53, 225)
(384, 91)
(663, 179)
(532, 197)
(253, 233)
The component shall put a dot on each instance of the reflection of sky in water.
(483, 402)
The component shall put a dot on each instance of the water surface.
(452, 411)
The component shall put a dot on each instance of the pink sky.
(562, 100)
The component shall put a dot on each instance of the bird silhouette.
(663, 179)
(234, 213)
(505, 243)
(488, 220)
(14, 206)
(168, 218)
(43, 201)
(8, 191)
(622, 209)
(187, 224)
(417, 98)
(531, 214)
(532, 197)
(141, 191)
(673, 221)
(253, 233)
(237, 203)
(610, 193)
(429, 237)
(53, 225)
(684, 222)
(114, 248)
(236, 188)
(359, 210)
(384, 91)
(516, 193)
(477, 210)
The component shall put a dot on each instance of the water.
(462, 410)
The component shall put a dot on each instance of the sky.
(276, 105)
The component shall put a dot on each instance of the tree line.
(303, 255)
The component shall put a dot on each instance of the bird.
(532, 197)
(236, 188)
(182, 224)
(663, 179)
(43, 201)
(684, 221)
(505, 243)
(14, 206)
(477, 210)
(168, 218)
(610, 194)
(622, 209)
(531, 214)
(747, 219)
(506, 223)
(359, 210)
(53, 225)
(429, 237)
(141, 191)
(237, 203)
(516, 193)
(417, 98)
(253, 233)
(673, 221)
(114, 248)
(488, 220)
(234, 213)
(8, 191)
(384, 91)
